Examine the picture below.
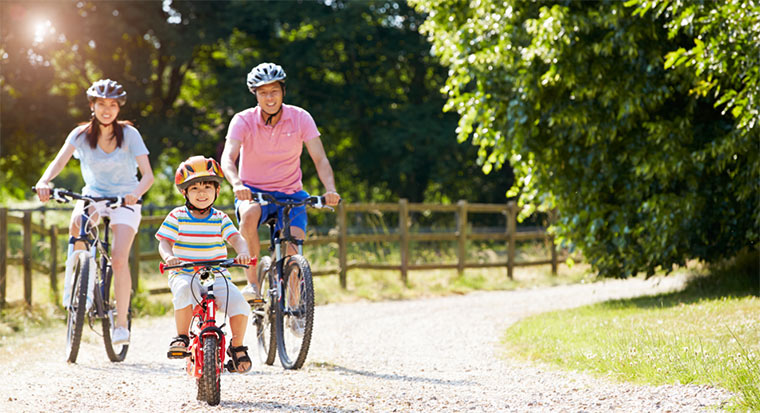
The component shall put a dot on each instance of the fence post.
(3, 253)
(54, 260)
(403, 227)
(28, 257)
(552, 220)
(134, 261)
(511, 229)
(342, 245)
(462, 236)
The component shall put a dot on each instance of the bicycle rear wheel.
(77, 307)
(263, 317)
(208, 383)
(295, 313)
(116, 353)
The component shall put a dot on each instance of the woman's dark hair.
(92, 131)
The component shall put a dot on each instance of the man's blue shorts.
(297, 215)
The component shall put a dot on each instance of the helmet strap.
(202, 211)
(269, 119)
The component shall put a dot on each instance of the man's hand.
(242, 192)
(332, 198)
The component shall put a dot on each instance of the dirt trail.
(438, 354)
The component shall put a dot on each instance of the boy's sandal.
(235, 361)
(178, 347)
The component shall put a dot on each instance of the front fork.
(205, 317)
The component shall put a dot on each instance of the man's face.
(270, 97)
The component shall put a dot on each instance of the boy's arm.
(241, 247)
(166, 251)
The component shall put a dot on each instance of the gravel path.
(430, 355)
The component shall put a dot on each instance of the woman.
(108, 151)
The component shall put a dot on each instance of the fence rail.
(403, 236)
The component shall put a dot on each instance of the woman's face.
(270, 97)
(106, 110)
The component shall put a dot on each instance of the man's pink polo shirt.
(270, 156)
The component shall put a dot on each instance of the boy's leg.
(238, 326)
(182, 319)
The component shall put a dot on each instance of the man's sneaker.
(251, 294)
(120, 336)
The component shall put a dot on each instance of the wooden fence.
(403, 236)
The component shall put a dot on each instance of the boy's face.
(202, 194)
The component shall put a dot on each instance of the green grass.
(708, 333)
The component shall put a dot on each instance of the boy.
(196, 232)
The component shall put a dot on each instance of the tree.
(361, 68)
(582, 100)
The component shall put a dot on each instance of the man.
(269, 139)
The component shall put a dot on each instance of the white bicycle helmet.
(264, 74)
(107, 89)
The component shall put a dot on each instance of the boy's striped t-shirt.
(197, 239)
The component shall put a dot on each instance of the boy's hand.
(172, 260)
(243, 258)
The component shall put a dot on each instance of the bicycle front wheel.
(295, 313)
(116, 353)
(263, 317)
(208, 383)
(77, 307)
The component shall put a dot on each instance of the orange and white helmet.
(195, 169)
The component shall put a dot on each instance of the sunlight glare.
(41, 29)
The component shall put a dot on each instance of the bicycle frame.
(204, 318)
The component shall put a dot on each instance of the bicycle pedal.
(230, 367)
(256, 301)
(177, 354)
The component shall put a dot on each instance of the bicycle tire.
(294, 320)
(208, 383)
(77, 307)
(263, 319)
(114, 354)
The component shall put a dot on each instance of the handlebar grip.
(161, 266)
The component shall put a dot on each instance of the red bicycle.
(205, 353)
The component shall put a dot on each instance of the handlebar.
(312, 201)
(65, 196)
(229, 262)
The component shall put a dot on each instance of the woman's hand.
(242, 192)
(131, 199)
(43, 191)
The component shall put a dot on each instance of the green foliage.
(602, 121)
(361, 68)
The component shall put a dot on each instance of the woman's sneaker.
(120, 336)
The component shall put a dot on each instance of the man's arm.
(229, 156)
(324, 170)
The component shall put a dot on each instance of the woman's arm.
(143, 163)
(43, 185)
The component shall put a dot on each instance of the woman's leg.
(123, 235)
